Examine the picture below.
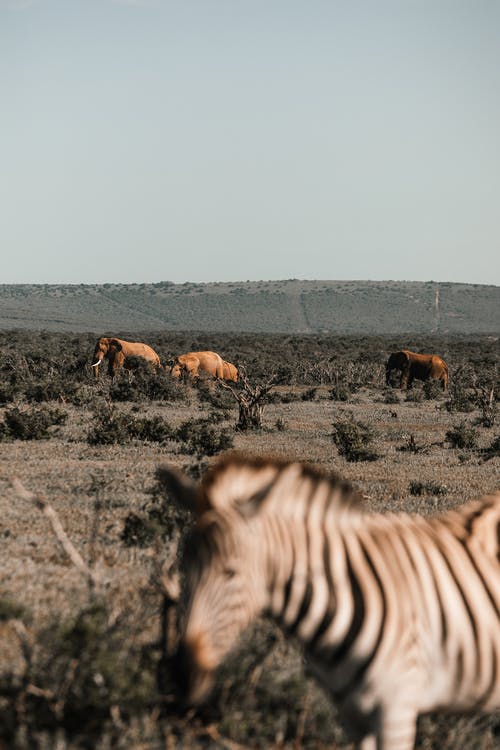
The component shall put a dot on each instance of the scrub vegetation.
(84, 661)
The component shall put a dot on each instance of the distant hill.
(346, 307)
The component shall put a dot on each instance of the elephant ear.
(115, 344)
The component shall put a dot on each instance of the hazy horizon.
(204, 141)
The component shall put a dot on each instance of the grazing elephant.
(116, 352)
(230, 372)
(416, 366)
(193, 363)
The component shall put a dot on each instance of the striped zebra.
(397, 614)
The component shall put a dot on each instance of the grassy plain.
(81, 668)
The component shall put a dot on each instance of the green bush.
(110, 427)
(83, 669)
(201, 438)
(30, 424)
(352, 439)
(151, 429)
(143, 383)
(159, 517)
(53, 389)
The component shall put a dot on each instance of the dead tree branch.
(250, 399)
(93, 579)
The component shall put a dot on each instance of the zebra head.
(222, 568)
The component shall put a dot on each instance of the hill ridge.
(287, 306)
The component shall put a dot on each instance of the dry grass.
(263, 698)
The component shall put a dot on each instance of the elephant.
(416, 366)
(193, 363)
(116, 352)
(230, 371)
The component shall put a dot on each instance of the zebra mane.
(341, 493)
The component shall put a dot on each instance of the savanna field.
(86, 665)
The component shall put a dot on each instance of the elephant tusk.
(96, 364)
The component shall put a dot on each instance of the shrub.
(427, 488)
(462, 435)
(460, 398)
(8, 393)
(432, 389)
(111, 427)
(200, 437)
(352, 438)
(138, 531)
(145, 384)
(32, 424)
(87, 670)
(340, 392)
(210, 393)
(493, 450)
(53, 389)
(390, 396)
(488, 407)
(10, 610)
(309, 394)
(159, 517)
(414, 395)
(151, 429)
(412, 446)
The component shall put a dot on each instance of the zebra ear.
(179, 487)
(254, 504)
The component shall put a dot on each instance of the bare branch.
(228, 387)
(93, 579)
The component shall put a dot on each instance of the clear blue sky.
(205, 140)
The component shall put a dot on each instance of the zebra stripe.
(398, 614)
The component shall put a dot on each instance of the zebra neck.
(315, 593)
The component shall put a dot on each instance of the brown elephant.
(116, 352)
(416, 366)
(230, 371)
(193, 363)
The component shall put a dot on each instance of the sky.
(232, 140)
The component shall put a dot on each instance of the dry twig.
(93, 579)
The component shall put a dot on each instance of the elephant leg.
(406, 377)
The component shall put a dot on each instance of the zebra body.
(398, 614)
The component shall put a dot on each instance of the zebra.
(397, 614)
